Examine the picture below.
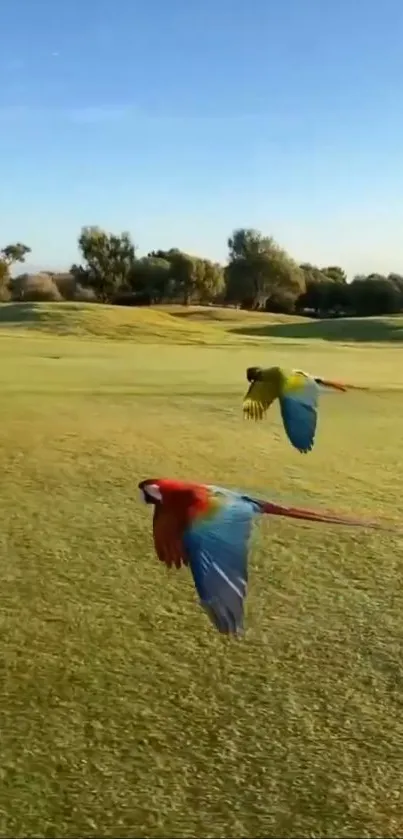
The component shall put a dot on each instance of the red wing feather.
(168, 532)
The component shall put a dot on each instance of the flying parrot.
(297, 393)
(207, 528)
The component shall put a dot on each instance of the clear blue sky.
(180, 120)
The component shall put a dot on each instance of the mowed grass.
(123, 713)
(164, 324)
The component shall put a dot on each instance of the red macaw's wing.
(168, 532)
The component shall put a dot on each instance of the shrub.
(35, 288)
(66, 284)
(84, 295)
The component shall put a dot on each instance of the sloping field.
(194, 325)
(123, 713)
(228, 315)
(117, 323)
(174, 324)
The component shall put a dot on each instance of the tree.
(313, 298)
(335, 273)
(152, 276)
(14, 253)
(337, 300)
(210, 283)
(326, 290)
(247, 242)
(161, 254)
(259, 269)
(191, 278)
(397, 281)
(182, 273)
(375, 295)
(109, 260)
(4, 282)
(287, 282)
(186, 273)
(8, 257)
(259, 275)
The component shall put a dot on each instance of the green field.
(123, 713)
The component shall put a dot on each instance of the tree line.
(259, 274)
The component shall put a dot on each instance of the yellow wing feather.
(293, 382)
(258, 399)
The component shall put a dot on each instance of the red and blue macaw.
(208, 528)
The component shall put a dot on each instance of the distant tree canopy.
(114, 273)
(9, 256)
(108, 262)
(259, 274)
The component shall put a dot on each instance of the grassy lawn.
(122, 712)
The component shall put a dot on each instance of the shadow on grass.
(371, 330)
(26, 313)
(31, 314)
(224, 315)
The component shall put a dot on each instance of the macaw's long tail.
(331, 385)
(272, 509)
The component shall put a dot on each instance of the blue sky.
(183, 119)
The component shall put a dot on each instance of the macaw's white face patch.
(151, 492)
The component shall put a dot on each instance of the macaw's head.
(254, 374)
(165, 491)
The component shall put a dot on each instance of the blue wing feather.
(217, 547)
(300, 416)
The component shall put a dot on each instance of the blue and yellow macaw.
(208, 528)
(297, 393)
